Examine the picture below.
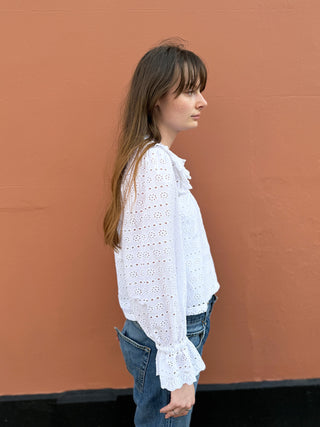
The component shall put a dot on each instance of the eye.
(190, 92)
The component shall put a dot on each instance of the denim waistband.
(196, 317)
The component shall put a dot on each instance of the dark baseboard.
(289, 403)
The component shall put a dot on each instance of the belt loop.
(210, 304)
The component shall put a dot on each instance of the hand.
(181, 402)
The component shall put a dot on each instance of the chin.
(190, 126)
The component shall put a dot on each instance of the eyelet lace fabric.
(164, 268)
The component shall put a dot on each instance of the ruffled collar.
(183, 173)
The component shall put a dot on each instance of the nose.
(201, 102)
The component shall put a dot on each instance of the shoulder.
(157, 159)
(158, 152)
(154, 172)
(155, 169)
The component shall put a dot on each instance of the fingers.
(182, 400)
(182, 413)
(175, 411)
(167, 408)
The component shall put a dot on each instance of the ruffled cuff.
(178, 365)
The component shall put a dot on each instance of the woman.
(165, 272)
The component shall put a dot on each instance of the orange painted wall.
(255, 166)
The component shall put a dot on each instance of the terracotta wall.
(255, 166)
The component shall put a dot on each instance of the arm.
(151, 245)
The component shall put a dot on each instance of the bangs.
(192, 73)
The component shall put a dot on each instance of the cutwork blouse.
(164, 268)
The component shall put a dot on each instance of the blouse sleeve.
(151, 243)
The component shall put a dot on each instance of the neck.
(167, 136)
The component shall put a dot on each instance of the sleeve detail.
(154, 269)
(184, 364)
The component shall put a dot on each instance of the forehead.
(189, 76)
(181, 86)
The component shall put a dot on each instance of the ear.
(158, 103)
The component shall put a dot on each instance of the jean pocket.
(136, 357)
(196, 333)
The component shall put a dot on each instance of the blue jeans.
(139, 353)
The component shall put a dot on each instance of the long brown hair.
(160, 69)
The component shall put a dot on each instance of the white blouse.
(164, 268)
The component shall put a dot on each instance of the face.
(180, 113)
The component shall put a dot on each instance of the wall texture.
(255, 166)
